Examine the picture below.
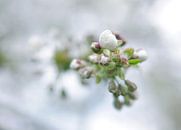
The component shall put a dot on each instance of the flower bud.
(108, 40)
(118, 104)
(124, 60)
(121, 41)
(94, 58)
(95, 46)
(141, 54)
(86, 72)
(77, 64)
(127, 100)
(122, 90)
(104, 60)
(131, 86)
(132, 96)
(112, 87)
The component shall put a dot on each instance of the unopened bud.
(131, 86)
(124, 60)
(121, 41)
(122, 90)
(86, 72)
(141, 54)
(77, 64)
(112, 87)
(104, 60)
(94, 58)
(133, 96)
(108, 40)
(95, 46)
(118, 104)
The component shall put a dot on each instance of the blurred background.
(39, 36)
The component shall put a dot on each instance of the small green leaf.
(129, 52)
(134, 61)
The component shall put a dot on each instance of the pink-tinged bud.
(77, 64)
(104, 60)
(94, 58)
(141, 54)
(121, 41)
(124, 60)
(86, 72)
(108, 40)
(95, 46)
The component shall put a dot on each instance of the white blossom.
(141, 54)
(95, 45)
(108, 40)
(104, 60)
(77, 64)
(94, 58)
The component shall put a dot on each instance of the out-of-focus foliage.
(3, 59)
(62, 59)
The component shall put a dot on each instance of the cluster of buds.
(126, 90)
(109, 62)
(81, 66)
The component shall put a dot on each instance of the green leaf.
(134, 61)
(129, 52)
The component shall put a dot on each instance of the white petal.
(141, 54)
(94, 58)
(108, 40)
(75, 64)
(104, 60)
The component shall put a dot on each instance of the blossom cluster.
(109, 62)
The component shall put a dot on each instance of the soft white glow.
(166, 14)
